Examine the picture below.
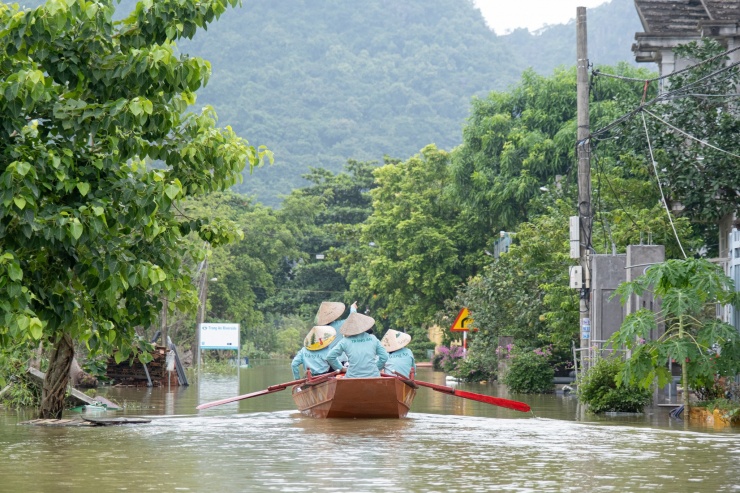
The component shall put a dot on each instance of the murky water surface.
(446, 444)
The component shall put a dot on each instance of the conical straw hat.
(319, 337)
(356, 323)
(328, 312)
(394, 340)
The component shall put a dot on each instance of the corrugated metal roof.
(683, 16)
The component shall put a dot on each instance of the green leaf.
(145, 358)
(172, 191)
(76, 229)
(22, 167)
(15, 272)
(20, 202)
(135, 107)
(119, 357)
(83, 187)
(36, 328)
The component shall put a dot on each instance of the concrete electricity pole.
(584, 180)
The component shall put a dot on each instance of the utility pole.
(583, 148)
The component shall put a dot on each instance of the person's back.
(401, 361)
(337, 324)
(317, 346)
(400, 358)
(365, 354)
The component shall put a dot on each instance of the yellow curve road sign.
(463, 322)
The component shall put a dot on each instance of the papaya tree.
(705, 346)
(91, 238)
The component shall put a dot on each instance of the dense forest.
(323, 82)
(319, 83)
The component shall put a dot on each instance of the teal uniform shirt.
(401, 361)
(337, 324)
(364, 352)
(311, 360)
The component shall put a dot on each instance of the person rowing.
(316, 347)
(400, 358)
(328, 314)
(365, 355)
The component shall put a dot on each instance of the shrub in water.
(448, 358)
(598, 389)
(529, 372)
(477, 367)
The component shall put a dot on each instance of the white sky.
(506, 15)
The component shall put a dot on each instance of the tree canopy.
(92, 238)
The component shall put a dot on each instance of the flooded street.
(446, 444)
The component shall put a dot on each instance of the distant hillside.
(611, 32)
(322, 81)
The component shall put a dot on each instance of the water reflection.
(445, 444)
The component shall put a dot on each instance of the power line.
(614, 192)
(674, 94)
(598, 73)
(657, 178)
(686, 134)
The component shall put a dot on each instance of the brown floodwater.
(446, 444)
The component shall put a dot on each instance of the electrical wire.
(686, 134)
(598, 73)
(676, 93)
(657, 178)
(616, 196)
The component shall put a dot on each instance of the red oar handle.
(237, 398)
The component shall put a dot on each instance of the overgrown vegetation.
(705, 346)
(529, 372)
(601, 390)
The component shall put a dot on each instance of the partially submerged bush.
(478, 366)
(529, 372)
(599, 390)
(447, 358)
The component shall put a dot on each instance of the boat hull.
(355, 398)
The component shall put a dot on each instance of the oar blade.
(496, 401)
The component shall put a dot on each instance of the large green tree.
(248, 271)
(417, 247)
(325, 216)
(525, 292)
(91, 239)
(517, 141)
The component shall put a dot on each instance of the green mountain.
(611, 32)
(323, 81)
(320, 82)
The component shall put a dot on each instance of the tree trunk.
(80, 378)
(36, 357)
(57, 378)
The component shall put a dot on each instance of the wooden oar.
(495, 401)
(269, 390)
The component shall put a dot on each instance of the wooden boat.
(381, 397)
